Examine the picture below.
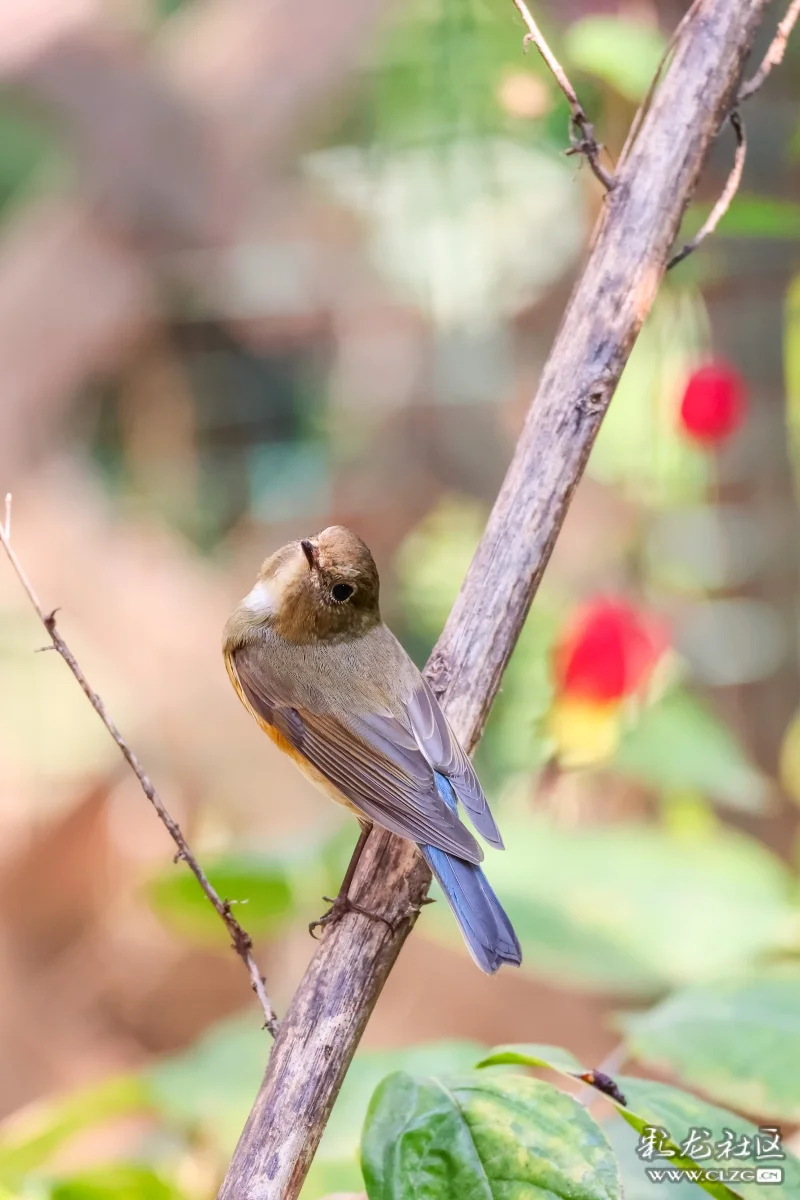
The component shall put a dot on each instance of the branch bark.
(639, 223)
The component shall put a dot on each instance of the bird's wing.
(378, 765)
(445, 754)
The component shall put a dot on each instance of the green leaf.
(623, 53)
(336, 1166)
(630, 907)
(120, 1182)
(739, 1041)
(258, 887)
(535, 1054)
(635, 1183)
(678, 744)
(649, 1104)
(30, 1138)
(555, 1058)
(474, 1135)
(209, 1089)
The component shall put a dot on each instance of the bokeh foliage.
(673, 907)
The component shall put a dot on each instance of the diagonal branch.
(581, 130)
(644, 107)
(241, 940)
(332, 1005)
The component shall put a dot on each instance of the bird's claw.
(414, 910)
(341, 904)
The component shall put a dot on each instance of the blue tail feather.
(487, 930)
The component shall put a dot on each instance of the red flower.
(608, 651)
(713, 404)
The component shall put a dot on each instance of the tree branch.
(581, 130)
(241, 940)
(644, 107)
(640, 220)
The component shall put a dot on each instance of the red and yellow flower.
(604, 657)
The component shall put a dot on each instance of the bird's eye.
(341, 592)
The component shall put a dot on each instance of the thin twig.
(772, 58)
(729, 191)
(581, 130)
(775, 54)
(242, 942)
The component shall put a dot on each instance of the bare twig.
(241, 940)
(611, 299)
(771, 59)
(723, 203)
(581, 130)
(733, 180)
(775, 54)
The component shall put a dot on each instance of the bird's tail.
(487, 930)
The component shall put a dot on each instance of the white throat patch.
(262, 600)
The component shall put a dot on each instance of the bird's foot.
(341, 904)
(414, 910)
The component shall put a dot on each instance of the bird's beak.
(310, 552)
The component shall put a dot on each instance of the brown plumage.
(304, 580)
(311, 660)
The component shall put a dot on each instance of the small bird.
(313, 663)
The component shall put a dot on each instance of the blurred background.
(266, 267)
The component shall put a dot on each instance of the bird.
(313, 663)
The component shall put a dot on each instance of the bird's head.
(321, 588)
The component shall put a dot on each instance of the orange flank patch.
(284, 745)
